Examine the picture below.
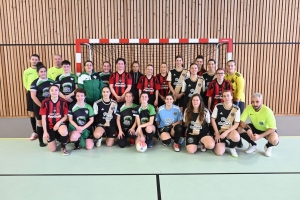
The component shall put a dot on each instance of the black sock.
(269, 145)
(76, 144)
(40, 133)
(177, 133)
(246, 137)
(149, 136)
(33, 123)
(233, 144)
(183, 131)
(63, 140)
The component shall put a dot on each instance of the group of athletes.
(202, 107)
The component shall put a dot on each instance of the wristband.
(247, 128)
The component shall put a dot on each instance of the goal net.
(151, 51)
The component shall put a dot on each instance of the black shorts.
(29, 102)
(180, 102)
(110, 131)
(195, 139)
(254, 130)
(221, 140)
(127, 134)
(54, 134)
(36, 110)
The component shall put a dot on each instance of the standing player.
(81, 118)
(200, 62)
(56, 70)
(216, 88)
(238, 84)
(67, 83)
(263, 125)
(54, 112)
(197, 118)
(164, 87)
(208, 77)
(193, 85)
(175, 78)
(29, 76)
(144, 117)
(120, 82)
(168, 120)
(225, 120)
(136, 75)
(126, 121)
(91, 82)
(150, 85)
(105, 74)
(105, 119)
(39, 91)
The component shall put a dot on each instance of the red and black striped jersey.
(215, 91)
(54, 111)
(201, 72)
(148, 85)
(164, 87)
(120, 82)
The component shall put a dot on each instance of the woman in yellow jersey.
(29, 75)
(238, 84)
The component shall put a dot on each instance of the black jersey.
(105, 77)
(102, 114)
(174, 76)
(208, 78)
(220, 114)
(66, 83)
(190, 88)
(126, 115)
(194, 126)
(144, 114)
(81, 115)
(42, 88)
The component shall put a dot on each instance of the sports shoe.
(251, 148)
(268, 151)
(203, 148)
(98, 143)
(181, 140)
(176, 147)
(64, 152)
(131, 141)
(233, 152)
(33, 136)
(149, 143)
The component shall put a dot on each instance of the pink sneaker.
(33, 136)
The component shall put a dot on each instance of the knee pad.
(178, 128)
(122, 142)
(167, 142)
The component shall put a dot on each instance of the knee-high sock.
(40, 133)
(63, 140)
(33, 124)
(246, 137)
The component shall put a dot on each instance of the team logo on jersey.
(72, 79)
(102, 108)
(148, 85)
(94, 77)
(189, 85)
(164, 83)
(81, 120)
(51, 83)
(221, 113)
(86, 112)
(174, 74)
(261, 123)
(120, 80)
(183, 74)
(46, 92)
(232, 114)
(107, 116)
(144, 120)
(127, 120)
(199, 84)
(169, 121)
(175, 113)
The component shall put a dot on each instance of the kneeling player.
(144, 116)
(168, 120)
(81, 117)
(225, 120)
(126, 121)
(54, 111)
(105, 121)
(197, 118)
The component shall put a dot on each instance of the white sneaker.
(181, 140)
(98, 143)
(268, 151)
(233, 152)
(33, 136)
(251, 148)
(176, 147)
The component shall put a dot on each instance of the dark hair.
(150, 65)
(35, 55)
(107, 62)
(170, 95)
(178, 56)
(122, 59)
(65, 62)
(211, 60)
(80, 90)
(39, 66)
(220, 69)
(227, 91)
(88, 61)
(54, 85)
(193, 64)
(190, 110)
(231, 61)
(105, 87)
(144, 93)
(134, 62)
(199, 57)
(164, 63)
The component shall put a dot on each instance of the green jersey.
(81, 115)
(144, 114)
(29, 76)
(126, 115)
(53, 72)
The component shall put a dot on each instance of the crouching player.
(126, 121)
(168, 120)
(54, 112)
